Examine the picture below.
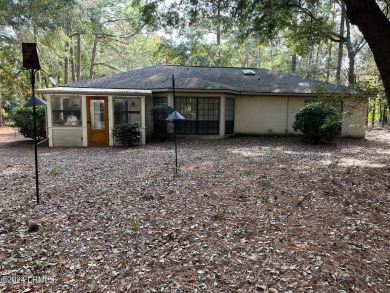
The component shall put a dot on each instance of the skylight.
(248, 72)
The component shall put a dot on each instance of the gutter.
(93, 91)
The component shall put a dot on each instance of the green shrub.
(24, 120)
(5, 116)
(318, 122)
(126, 134)
(160, 124)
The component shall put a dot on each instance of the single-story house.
(216, 102)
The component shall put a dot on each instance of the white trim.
(50, 122)
(143, 120)
(222, 118)
(170, 100)
(110, 119)
(84, 119)
(92, 91)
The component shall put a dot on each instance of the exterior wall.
(254, 115)
(359, 110)
(260, 115)
(67, 137)
(274, 115)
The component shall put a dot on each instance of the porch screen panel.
(66, 110)
(229, 115)
(201, 113)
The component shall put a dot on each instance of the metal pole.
(175, 143)
(35, 136)
(36, 155)
(174, 123)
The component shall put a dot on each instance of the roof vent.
(248, 72)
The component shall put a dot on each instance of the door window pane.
(97, 114)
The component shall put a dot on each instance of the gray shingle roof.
(157, 78)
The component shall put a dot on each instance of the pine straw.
(242, 214)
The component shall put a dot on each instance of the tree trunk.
(351, 55)
(92, 67)
(72, 65)
(218, 23)
(309, 62)
(386, 117)
(375, 27)
(66, 69)
(329, 61)
(316, 64)
(294, 63)
(78, 57)
(1, 113)
(341, 45)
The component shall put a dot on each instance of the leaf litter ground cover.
(243, 214)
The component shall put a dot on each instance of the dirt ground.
(253, 214)
(9, 134)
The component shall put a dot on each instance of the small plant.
(220, 213)
(38, 262)
(265, 183)
(134, 224)
(126, 134)
(55, 169)
(318, 121)
(238, 231)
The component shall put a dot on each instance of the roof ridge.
(204, 66)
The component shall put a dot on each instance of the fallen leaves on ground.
(260, 214)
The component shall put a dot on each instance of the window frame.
(128, 112)
(202, 115)
(230, 110)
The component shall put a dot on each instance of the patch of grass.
(134, 224)
(220, 213)
(54, 169)
(265, 183)
(38, 262)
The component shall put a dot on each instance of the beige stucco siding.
(358, 117)
(268, 115)
(260, 115)
(67, 136)
(294, 105)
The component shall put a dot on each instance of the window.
(66, 110)
(160, 101)
(229, 115)
(202, 115)
(127, 110)
(335, 103)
